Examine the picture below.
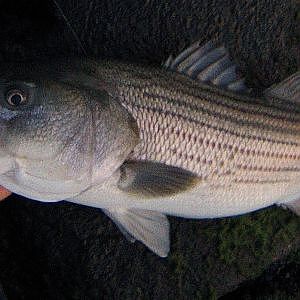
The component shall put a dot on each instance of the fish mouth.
(41, 189)
(15, 177)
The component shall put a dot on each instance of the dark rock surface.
(65, 251)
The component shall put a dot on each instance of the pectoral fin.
(148, 179)
(149, 227)
(208, 63)
(288, 89)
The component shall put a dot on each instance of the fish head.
(58, 138)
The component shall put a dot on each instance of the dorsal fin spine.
(207, 64)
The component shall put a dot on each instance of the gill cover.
(64, 139)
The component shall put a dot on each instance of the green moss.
(294, 257)
(276, 295)
(178, 262)
(217, 254)
(251, 242)
(208, 294)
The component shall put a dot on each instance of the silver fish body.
(231, 142)
(186, 140)
(211, 132)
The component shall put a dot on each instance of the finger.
(4, 193)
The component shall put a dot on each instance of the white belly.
(203, 201)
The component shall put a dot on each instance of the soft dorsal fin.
(149, 179)
(149, 227)
(208, 63)
(288, 89)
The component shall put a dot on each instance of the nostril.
(6, 114)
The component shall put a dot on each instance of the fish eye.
(16, 97)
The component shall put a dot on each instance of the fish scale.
(142, 143)
(244, 151)
(166, 127)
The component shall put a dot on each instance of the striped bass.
(188, 139)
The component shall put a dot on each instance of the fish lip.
(30, 191)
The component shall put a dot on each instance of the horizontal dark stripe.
(173, 114)
(225, 117)
(281, 105)
(286, 111)
(280, 113)
(270, 169)
(256, 152)
(261, 181)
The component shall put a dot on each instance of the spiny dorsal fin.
(288, 89)
(149, 227)
(149, 179)
(208, 63)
